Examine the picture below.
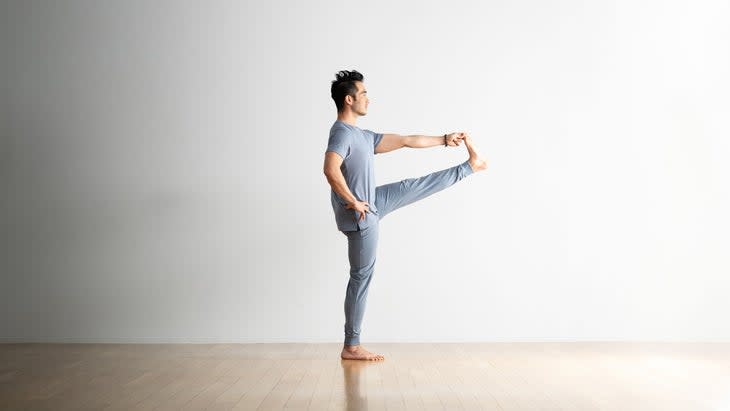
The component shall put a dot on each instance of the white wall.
(162, 176)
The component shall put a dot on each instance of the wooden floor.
(473, 376)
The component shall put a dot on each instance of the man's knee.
(362, 273)
(407, 184)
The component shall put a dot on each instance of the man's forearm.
(339, 185)
(418, 141)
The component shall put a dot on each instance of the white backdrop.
(162, 175)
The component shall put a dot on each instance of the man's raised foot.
(476, 161)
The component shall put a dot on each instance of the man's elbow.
(329, 173)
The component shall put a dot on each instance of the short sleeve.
(376, 137)
(340, 141)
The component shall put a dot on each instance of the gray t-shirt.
(357, 148)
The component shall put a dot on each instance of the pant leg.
(390, 197)
(361, 247)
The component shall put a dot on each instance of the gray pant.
(362, 243)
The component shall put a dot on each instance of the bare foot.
(476, 161)
(356, 352)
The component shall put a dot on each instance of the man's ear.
(348, 99)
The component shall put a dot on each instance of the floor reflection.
(355, 398)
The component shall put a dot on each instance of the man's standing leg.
(361, 246)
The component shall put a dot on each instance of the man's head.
(348, 92)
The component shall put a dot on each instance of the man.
(359, 205)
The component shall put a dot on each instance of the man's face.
(361, 101)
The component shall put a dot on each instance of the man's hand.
(454, 139)
(361, 207)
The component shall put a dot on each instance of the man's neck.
(347, 117)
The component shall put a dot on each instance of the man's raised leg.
(390, 197)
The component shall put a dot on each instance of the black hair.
(344, 85)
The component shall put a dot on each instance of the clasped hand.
(455, 139)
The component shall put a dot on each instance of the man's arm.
(332, 163)
(391, 142)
